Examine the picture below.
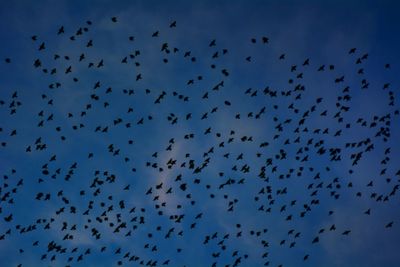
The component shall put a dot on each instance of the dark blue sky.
(269, 202)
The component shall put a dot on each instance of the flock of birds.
(152, 199)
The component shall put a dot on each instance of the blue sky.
(321, 31)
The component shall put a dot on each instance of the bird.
(146, 142)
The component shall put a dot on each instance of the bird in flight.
(144, 149)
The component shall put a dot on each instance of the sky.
(111, 98)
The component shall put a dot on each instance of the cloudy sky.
(320, 32)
